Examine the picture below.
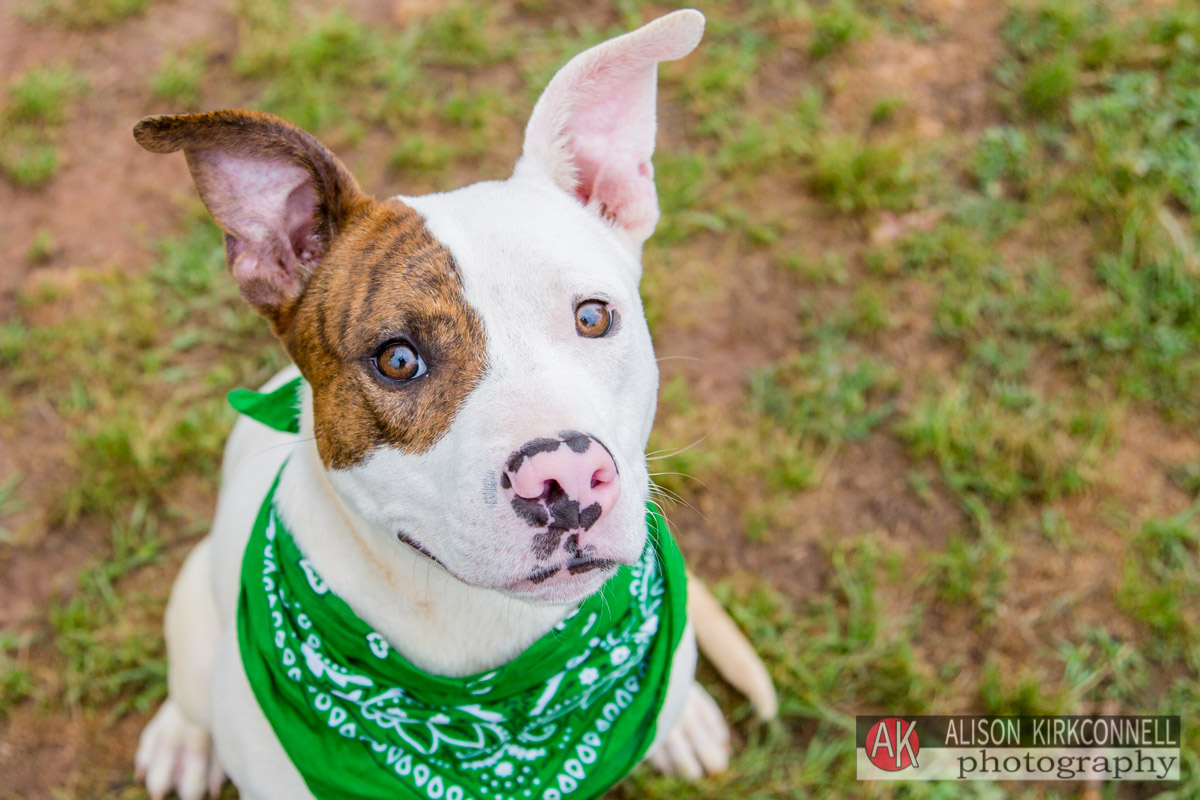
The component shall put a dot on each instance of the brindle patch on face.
(273, 284)
(385, 278)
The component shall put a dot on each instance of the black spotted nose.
(565, 482)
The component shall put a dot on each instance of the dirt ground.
(110, 199)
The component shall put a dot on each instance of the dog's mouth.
(573, 566)
(420, 548)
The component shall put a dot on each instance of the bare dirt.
(109, 200)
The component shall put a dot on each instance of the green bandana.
(279, 409)
(567, 718)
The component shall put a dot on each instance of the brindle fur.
(376, 274)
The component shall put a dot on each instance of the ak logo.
(893, 744)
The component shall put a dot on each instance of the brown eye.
(593, 319)
(399, 361)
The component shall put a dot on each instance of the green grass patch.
(135, 374)
(854, 174)
(465, 35)
(1026, 693)
(11, 502)
(114, 659)
(314, 67)
(1049, 83)
(31, 118)
(723, 78)
(419, 153)
(42, 248)
(1121, 159)
(846, 650)
(810, 403)
(823, 395)
(835, 26)
(972, 570)
(85, 13)
(1001, 443)
(16, 681)
(1161, 585)
(177, 81)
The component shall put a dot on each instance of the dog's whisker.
(662, 512)
(681, 475)
(678, 499)
(273, 447)
(657, 455)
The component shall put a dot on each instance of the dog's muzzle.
(562, 484)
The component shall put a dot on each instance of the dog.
(456, 463)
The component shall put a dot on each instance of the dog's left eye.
(399, 361)
(593, 319)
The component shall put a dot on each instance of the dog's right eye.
(399, 361)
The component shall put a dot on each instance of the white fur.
(528, 252)
(542, 378)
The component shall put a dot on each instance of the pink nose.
(573, 478)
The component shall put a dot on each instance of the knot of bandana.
(568, 718)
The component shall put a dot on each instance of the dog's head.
(482, 378)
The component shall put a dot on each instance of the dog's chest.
(577, 705)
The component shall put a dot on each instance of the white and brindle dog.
(438, 336)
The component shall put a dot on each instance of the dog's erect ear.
(592, 130)
(278, 194)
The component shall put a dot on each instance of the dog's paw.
(698, 744)
(175, 753)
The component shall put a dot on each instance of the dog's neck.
(440, 624)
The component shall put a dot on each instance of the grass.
(145, 335)
(1001, 443)
(851, 174)
(178, 80)
(84, 13)
(134, 434)
(41, 249)
(34, 110)
(16, 681)
(113, 660)
(835, 26)
(816, 400)
(10, 503)
(922, 413)
(1162, 586)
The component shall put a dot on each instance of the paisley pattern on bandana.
(567, 718)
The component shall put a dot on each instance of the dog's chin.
(563, 584)
(571, 580)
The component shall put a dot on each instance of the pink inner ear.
(612, 130)
(266, 207)
(593, 129)
(609, 138)
(301, 225)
